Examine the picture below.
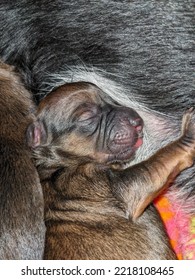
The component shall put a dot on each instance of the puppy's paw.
(188, 132)
(188, 125)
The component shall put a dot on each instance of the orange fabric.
(165, 209)
(180, 227)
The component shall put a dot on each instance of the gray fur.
(142, 53)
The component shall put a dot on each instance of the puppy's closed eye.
(87, 112)
(86, 115)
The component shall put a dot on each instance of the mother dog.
(141, 53)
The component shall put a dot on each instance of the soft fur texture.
(94, 208)
(22, 228)
(139, 52)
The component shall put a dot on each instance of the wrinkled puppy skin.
(94, 208)
(141, 53)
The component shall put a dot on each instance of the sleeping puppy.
(141, 53)
(21, 201)
(94, 208)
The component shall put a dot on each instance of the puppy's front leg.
(137, 186)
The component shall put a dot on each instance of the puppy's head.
(77, 120)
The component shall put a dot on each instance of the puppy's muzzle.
(125, 133)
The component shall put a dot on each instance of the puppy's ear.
(36, 134)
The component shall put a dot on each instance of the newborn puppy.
(22, 226)
(95, 209)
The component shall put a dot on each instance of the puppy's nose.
(130, 117)
(136, 122)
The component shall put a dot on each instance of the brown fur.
(21, 226)
(95, 209)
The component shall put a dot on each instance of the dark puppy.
(21, 203)
(94, 209)
(141, 53)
